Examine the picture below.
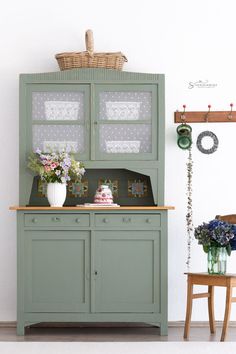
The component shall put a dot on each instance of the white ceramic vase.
(56, 194)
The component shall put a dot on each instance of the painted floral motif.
(137, 188)
(78, 189)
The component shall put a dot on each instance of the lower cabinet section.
(92, 273)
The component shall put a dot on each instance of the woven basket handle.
(89, 42)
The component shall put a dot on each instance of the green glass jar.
(184, 136)
(217, 260)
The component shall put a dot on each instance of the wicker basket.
(89, 59)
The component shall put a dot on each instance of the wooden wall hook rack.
(206, 116)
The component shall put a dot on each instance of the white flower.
(63, 180)
(81, 171)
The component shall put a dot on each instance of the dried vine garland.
(189, 215)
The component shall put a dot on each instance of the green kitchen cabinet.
(78, 264)
(96, 271)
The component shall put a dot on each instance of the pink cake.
(103, 195)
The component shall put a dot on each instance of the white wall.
(186, 40)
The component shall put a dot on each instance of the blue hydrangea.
(216, 233)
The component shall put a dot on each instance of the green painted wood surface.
(130, 257)
(57, 271)
(126, 275)
(56, 220)
(91, 82)
(118, 270)
(127, 220)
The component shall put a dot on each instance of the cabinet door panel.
(127, 268)
(58, 118)
(57, 271)
(125, 124)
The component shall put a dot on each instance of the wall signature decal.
(201, 84)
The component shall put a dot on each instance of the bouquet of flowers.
(216, 233)
(56, 167)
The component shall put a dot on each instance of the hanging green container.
(184, 136)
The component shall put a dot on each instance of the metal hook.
(230, 116)
(182, 115)
(207, 114)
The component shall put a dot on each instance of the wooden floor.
(111, 333)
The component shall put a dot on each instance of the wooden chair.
(211, 280)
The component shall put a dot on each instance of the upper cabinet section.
(97, 114)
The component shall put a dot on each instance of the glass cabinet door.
(59, 116)
(124, 122)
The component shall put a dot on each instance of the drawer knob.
(77, 220)
(55, 218)
(34, 220)
(105, 221)
(126, 219)
(148, 221)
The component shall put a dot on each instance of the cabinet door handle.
(95, 272)
(34, 220)
(105, 221)
(56, 219)
(77, 220)
(95, 123)
(148, 221)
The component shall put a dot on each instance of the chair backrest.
(227, 218)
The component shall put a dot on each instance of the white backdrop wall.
(185, 40)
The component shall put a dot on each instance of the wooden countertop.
(92, 208)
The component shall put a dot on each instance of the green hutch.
(78, 264)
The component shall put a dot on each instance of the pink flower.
(47, 169)
(54, 165)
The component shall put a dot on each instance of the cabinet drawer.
(128, 220)
(56, 220)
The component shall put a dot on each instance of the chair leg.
(227, 312)
(211, 308)
(188, 309)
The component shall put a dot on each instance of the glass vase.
(217, 260)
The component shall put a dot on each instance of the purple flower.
(38, 151)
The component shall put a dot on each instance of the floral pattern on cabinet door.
(40, 102)
(142, 104)
(139, 135)
(58, 137)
